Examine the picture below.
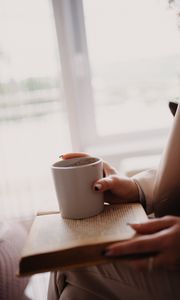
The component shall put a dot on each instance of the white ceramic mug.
(74, 179)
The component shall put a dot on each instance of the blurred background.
(82, 75)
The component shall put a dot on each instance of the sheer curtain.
(33, 118)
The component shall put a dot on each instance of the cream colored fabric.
(161, 188)
(12, 239)
(113, 282)
(166, 197)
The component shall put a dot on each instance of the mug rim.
(56, 167)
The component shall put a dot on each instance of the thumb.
(104, 184)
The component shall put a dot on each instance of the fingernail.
(129, 224)
(107, 252)
(98, 187)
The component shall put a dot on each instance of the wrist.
(141, 196)
(134, 192)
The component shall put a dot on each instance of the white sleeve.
(145, 183)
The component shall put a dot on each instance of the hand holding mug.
(117, 188)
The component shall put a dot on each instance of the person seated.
(155, 277)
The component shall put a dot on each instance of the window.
(124, 56)
(134, 49)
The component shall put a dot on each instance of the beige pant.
(113, 281)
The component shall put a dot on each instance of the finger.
(108, 169)
(73, 155)
(104, 184)
(143, 244)
(154, 225)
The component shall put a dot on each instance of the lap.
(113, 281)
